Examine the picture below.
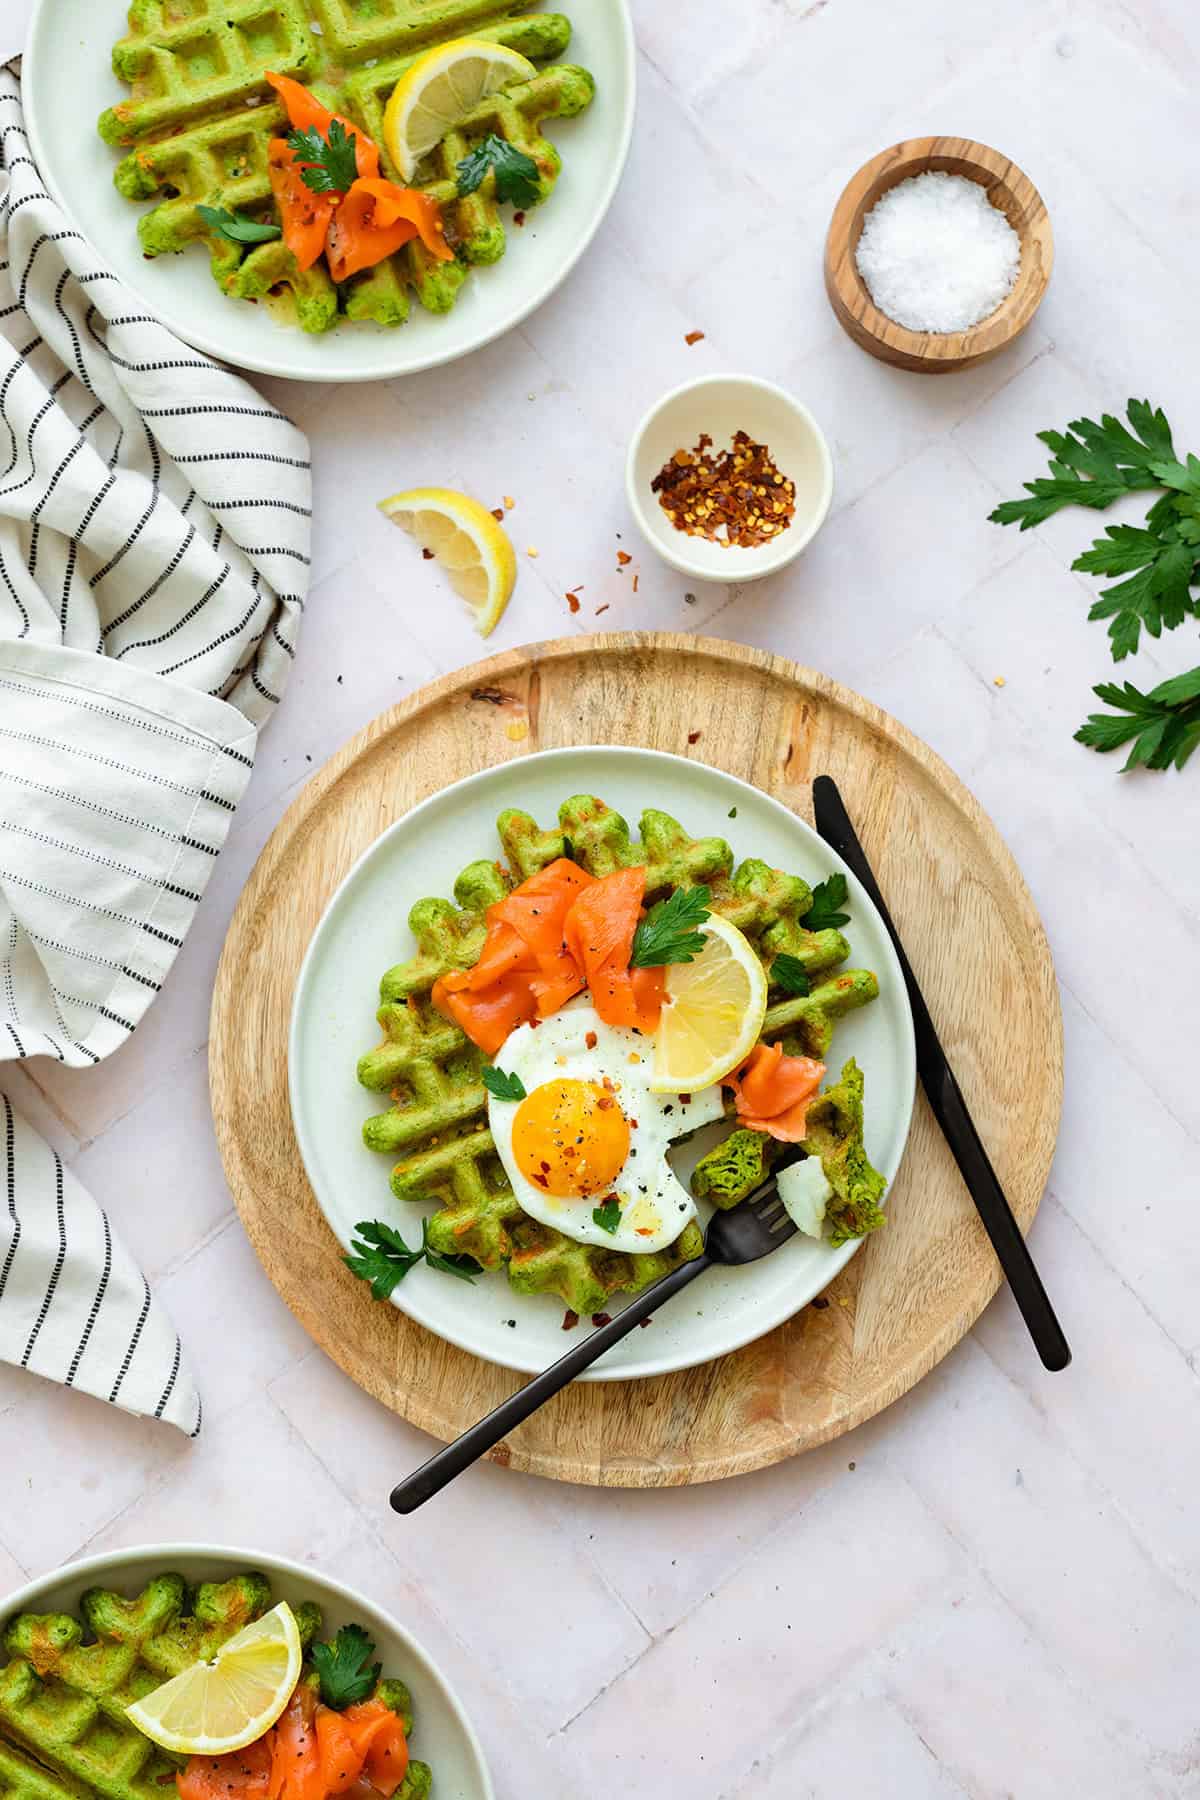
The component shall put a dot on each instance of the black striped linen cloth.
(155, 518)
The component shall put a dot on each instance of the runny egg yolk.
(571, 1138)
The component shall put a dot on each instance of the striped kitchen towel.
(154, 555)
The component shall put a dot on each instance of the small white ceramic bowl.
(721, 405)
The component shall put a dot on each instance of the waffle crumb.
(509, 503)
(518, 729)
(692, 337)
(997, 681)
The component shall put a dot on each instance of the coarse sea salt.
(935, 253)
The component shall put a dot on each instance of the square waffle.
(437, 1122)
(200, 113)
(67, 1681)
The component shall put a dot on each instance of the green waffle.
(67, 1681)
(437, 1121)
(200, 114)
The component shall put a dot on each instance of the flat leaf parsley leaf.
(827, 897)
(1163, 724)
(608, 1215)
(1094, 464)
(502, 1086)
(382, 1257)
(789, 973)
(517, 177)
(668, 933)
(238, 230)
(328, 165)
(344, 1669)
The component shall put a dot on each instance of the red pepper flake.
(602, 609)
(737, 498)
(693, 737)
(601, 1318)
(623, 557)
(635, 584)
(692, 337)
(570, 1320)
(428, 555)
(820, 1303)
(642, 1323)
(498, 513)
(573, 602)
(518, 218)
(591, 1040)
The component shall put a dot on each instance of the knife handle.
(950, 1109)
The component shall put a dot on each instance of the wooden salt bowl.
(937, 352)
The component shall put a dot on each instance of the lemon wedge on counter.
(440, 89)
(713, 1012)
(471, 546)
(226, 1703)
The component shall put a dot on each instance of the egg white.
(655, 1205)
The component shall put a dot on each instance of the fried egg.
(589, 1131)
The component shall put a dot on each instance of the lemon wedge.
(230, 1701)
(471, 546)
(713, 1012)
(440, 89)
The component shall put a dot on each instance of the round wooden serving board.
(968, 924)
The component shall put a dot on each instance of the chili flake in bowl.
(738, 497)
(729, 477)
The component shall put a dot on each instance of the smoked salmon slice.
(773, 1092)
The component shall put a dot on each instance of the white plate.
(362, 933)
(442, 1733)
(67, 82)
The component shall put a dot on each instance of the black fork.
(742, 1235)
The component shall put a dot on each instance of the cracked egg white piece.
(589, 1128)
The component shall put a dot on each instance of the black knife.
(949, 1107)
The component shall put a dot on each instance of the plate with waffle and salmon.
(610, 1029)
(333, 190)
(218, 1674)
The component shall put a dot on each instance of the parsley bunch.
(1092, 464)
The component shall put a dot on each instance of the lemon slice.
(471, 546)
(713, 1013)
(440, 89)
(227, 1703)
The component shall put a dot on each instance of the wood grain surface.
(971, 931)
(937, 352)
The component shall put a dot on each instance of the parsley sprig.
(828, 897)
(669, 933)
(502, 1086)
(328, 165)
(788, 972)
(344, 1668)
(1092, 464)
(1163, 724)
(382, 1257)
(517, 177)
(235, 227)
